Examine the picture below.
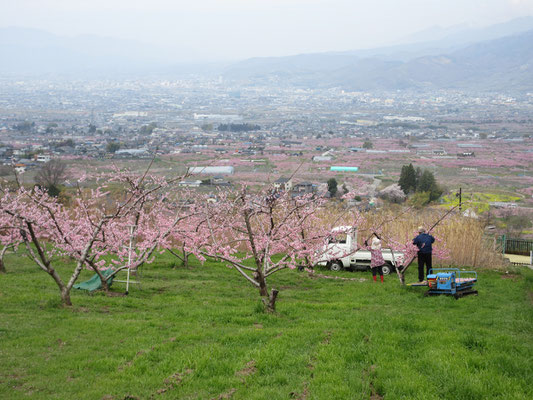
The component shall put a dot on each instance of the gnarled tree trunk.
(270, 301)
(65, 297)
(260, 279)
(103, 279)
(2, 265)
(184, 257)
(63, 289)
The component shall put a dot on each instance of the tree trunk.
(103, 279)
(65, 297)
(401, 275)
(185, 259)
(63, 289)
(260, 278)
(269, 301)
(2, 265)
(270, 304)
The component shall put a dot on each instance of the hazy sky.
(244, 28)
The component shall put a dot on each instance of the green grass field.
(479, 202)
(199, 333)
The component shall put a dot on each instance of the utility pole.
(459, 194)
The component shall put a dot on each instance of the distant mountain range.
(501, 64)
(505, 64)
(34, 51)
(462, 35)
(498, 57)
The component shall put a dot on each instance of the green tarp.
(95, 283)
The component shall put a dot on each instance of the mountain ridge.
(499, 64)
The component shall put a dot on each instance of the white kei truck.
(340, 253)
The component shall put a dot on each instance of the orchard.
(231, 303)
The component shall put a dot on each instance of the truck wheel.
(386, 268)
(336, 266)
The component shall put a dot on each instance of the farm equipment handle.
(457, 270)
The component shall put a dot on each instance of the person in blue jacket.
(423, 241)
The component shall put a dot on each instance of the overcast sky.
(231, 29)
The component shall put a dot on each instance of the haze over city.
(235, 29)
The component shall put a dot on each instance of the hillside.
(500, 64)
(197, 333)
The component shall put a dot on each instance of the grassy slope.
(197, 334)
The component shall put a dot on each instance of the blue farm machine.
(449, 281)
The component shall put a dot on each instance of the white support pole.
(129, 258)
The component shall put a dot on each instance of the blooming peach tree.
(95, 229)
(259, 234)
(48, 229)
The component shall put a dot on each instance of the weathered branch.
(251, 237)
(238, 266)
(85, 254)
(175, 254)
(232, 262)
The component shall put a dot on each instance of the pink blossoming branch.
(92, 229)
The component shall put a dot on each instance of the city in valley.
(230, 134)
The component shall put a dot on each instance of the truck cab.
(340, 252)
